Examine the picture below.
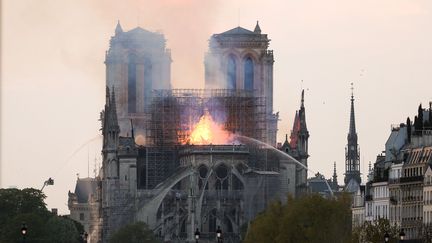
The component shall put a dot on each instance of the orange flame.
(207, 131)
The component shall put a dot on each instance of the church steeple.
(302, 116)
(299, 138)
(352, 128)
(352, 153)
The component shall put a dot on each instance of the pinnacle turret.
(335, 182)
(302, 116)
(257, 29)
(118, 29)
(113, 105)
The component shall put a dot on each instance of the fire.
(207, 131)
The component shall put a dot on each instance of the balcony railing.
(393, 200)
(411, 179)
(394, 181)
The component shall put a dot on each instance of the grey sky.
(53, 73)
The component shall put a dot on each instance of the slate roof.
(126, 141)
(352, 186)
(238, 31)
(318, 184)
(84, 188)
(140, 31)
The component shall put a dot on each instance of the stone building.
(175, 181)
(427, 205)
(358, 207)
(399, 189)
(240, 59)
(297, 147)
(83, 205)
(137, 62)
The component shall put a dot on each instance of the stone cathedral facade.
(154, 172)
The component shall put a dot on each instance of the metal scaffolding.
(173, 114)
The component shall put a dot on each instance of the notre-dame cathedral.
(183, 160)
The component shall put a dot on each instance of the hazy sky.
(53, 75)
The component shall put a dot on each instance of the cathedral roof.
(238, 31)
(139, 31)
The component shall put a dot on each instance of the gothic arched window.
(248, 74)
(148, 82)
(132, 84)
(231, 72)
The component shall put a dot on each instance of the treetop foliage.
(137, 232)
(27, 206)
(308, 219)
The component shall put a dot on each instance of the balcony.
(393, 201)
(394, 181)
(411, 179)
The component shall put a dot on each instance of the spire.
(110, 113)
(335, 182)
(132, 129)
(352, 128)
(352, 152)
(286, 145)
(302, 116)
(118, 29)
(114, 108)
(334, 169)
(257, 29)
(302, 99)
(370, 166)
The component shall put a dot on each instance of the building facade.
(137, 62)
(399, 189)
(239, 59)
(83, 205)
(171, 181)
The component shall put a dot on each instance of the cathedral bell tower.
(239, 59)
(137, 62)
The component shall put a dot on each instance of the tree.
(62, 230)
(134, 233)
(15, 201)
(311, 218)
(373, 232)
(28, 206)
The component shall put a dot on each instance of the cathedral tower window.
(231, 72)
(148, 82)
(248, 74)
(132, 84)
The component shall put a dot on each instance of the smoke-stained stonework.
(156, 171)
(137, 62)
